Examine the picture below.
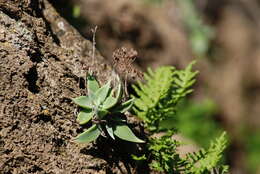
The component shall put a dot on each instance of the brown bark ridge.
(43, 63)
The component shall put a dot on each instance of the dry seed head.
(123, 59)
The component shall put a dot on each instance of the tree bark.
(43, 63)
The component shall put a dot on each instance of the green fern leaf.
(206, 161)
(158, 97)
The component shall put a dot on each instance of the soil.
(43, 64)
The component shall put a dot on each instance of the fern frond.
(164, 154)
(153, 103)
(183, 80)
(156, 104)
(157, 99)
(206, 161)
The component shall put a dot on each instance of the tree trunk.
(43, 63)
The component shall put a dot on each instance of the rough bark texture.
(43, 63)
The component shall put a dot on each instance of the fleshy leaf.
(109, 102)
(102, 113)
(83, 101)
(84, 116)
(110, 131)
(101, 94)
(124, 132)
(119, 91)
(89, 135)
(92, 84)
(124, 106)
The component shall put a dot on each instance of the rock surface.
(43, 63)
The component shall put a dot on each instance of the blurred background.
(222, 35)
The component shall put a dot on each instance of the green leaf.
(124, 106)
(89, 135)
(102, 113)
(101, 94)
(84, 116)
(110, 131)
(124, 132)
(139, 158)
(109, 102)
(92, 84)
(83, 101)
(119, 92)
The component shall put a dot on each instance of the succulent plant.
(103, 105)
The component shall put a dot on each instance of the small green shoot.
(103, 106)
